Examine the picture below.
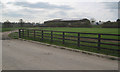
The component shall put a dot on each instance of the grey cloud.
(11, 14)
(119, 10)
(33, 10)
(113, 8)
(0, 4)
(29, 10)
(17, 15)
(111, 5)
(58, 14)
(119, 5)
(42, 5)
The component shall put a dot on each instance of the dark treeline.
(110, 24)
(86, 23)
(8, 24)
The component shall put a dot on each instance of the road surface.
(23, 55)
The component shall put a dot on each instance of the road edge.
(75, 50)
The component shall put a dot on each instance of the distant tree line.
(85, 23)
(110, 24)
(8, 24)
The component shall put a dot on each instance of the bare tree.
(21, 22)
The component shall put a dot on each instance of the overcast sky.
(42, 10)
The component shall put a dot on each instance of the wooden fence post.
(63, 37)
(23, 33)
(99, 41)
(19, 33)
(34, 34)
(78, 43)
(51, 36)
(28, 33)
(42, 34)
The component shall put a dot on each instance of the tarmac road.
(23, 55)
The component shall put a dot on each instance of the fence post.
(99, 41)
(42, 34)
(28, 33)
(78, 43)
(63, 37)
(51, 36)
(34, 34)
(23, 33)
(19, 33)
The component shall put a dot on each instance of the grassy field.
(84, 30)
(72, 44)
(10, 29)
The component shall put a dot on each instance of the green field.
(72, 44)
(8, 29)
(11, 29)
(84, 30)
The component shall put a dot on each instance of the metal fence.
(77, 38)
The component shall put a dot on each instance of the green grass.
(11, 29)
(84, 30)
(71, 43)
(14, 35)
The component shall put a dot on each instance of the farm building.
(68, 23)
